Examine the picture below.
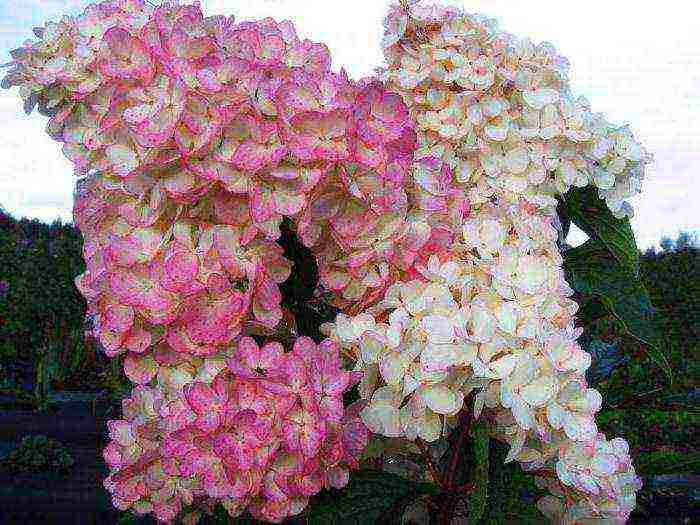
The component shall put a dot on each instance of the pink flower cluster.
(204, 133)
(190, 280)
(385, 229)
(267, 433)
(194, 137)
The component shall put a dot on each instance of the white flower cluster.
(497, 127)
(599, 474)
(414, 363)
(499, 110)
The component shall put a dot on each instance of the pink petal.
(140, 369)
(253, 156)
(129, 60)
(118, 318)
(138, 340)
(200, 397)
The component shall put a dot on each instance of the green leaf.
(564, 218)
(591, 270)
(370, 497)
(605, 358)
(590, 213)
(480, 474)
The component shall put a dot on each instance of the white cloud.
(634, 65)
(35, 179)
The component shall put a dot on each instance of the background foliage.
(42, 315)
(39, 262)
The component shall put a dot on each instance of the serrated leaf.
(591, 270)
(370, 497)
(585, 209)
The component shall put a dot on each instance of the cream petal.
(539, 98)
(440, 329)
(429, 427)
(440, 399)
(540, 391)
(503, 366)
(392, 367)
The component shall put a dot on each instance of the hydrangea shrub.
(428, 196)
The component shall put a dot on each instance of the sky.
(637, 63)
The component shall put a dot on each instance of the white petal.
(440, 399)
(482, 324)
(361, 324)
(369, 381)
(515, 447)
(439, 356)
(371, 348)
(123, 158)
(517, 160)
(555, 415)
(539, 98)
(496, 133)
(382, 419)
(523, 414)
(507, 317)
(503, 366)
(387, 395)
(539, 391)
(392, 367)
(429, 427)
(440, 329)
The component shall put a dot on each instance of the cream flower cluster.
(492, 315)
(498, 109)
(599, 474)
(413, 363)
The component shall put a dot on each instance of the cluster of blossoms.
(193, 138)
(499, 110)
(262, 431)
(491, 316)
(599, 475)
(428, 198)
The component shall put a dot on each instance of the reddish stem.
(465, 421)
(434, 471)
(542, 473)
